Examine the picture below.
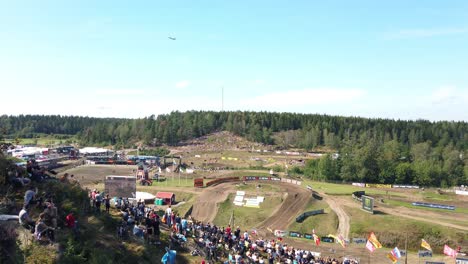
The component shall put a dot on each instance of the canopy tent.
(144, 196)
(93, 150)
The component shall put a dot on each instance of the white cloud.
(259, 82)
(294, 98)
(117, 92)
(182, 84)
(444, 94)
(422, 33)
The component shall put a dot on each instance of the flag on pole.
(373, 239)
(396, 252)
(338, 239)
(370, 246)
(392, 257)
(425, 245)
(341, 241)
(316, 239)
(449, 251)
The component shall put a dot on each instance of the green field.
(434, 195)
(244, 216)
(391, 230)
(409, 205)
(44, 140)
(346, 189)
(323, 224)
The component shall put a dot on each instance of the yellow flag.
(373, 239)
(425, 245)
(392, 258)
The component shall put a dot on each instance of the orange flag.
(373, 239)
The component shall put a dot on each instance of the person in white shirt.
(25, 220)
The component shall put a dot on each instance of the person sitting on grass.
(41, 229)
(25, 220)
(29, 197)
(138, 231)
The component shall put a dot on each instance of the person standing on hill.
(107, 203)
(237, 232)
(168, 215)
(93, 198)
(178, 222)
(98, 198)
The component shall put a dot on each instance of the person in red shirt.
(70, 220)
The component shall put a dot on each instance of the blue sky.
(389, 59)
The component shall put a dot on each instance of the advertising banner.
(405, 186)
(120, 186)
(368, 204)
(327, 239)
(280, 233)
(425, 254)
(376, 185)
(431, 205)
(358, 184)
(294, 234)
(461, 192)
(198, 182)
(359, 240)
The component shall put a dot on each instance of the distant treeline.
(371, 150)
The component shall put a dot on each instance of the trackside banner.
(375, 185)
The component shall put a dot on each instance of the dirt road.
(206, 206)
(343, 217)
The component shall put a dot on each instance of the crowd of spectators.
(215, 244)
(237, 246)
(46, 224)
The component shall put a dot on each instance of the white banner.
(461, 192)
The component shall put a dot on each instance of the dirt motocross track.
(206, 206)
(294, 204)
(296, 198)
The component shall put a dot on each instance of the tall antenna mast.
(222, 98)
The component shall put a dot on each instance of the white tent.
(93, 150)
(144, 196)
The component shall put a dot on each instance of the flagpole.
(406, 249)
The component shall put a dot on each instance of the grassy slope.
(244, 216)
(98, 242)
(409, 205)
(43, 140)
(391, 230)
(323, 224)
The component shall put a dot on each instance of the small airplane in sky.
(172, 38)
